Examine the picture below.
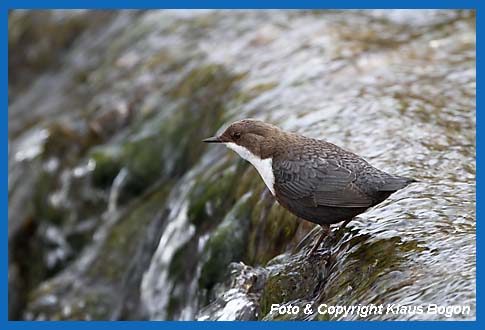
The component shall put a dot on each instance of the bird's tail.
(395, 183)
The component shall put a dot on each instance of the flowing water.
(118, 211)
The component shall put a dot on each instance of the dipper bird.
(314, 179)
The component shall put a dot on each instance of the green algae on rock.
(111, 264)
(226, 244)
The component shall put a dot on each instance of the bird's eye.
(236, 135)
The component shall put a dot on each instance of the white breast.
(263, 166)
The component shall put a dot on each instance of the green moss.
(113, 267)
(90, 304)
(36, 39)
(213, 195)
(108, 164)
(248, 180)
(282, 227)
(181, 263)
(296, 278)
(124, 238)
(45, 184)
(368, 265)
(273, 227)
(212, 79)
(246, 95)
(166, 60)
(164, 146)
(226, 244)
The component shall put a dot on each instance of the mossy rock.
(295, 277)
(120, 242)
(107, 271)
(74, 303)
(37, 37)
(108, 163)
(164, 146)
(214, 194)
(364, 262)
(272, 230)
(226, 244)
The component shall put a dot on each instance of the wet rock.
(237, 297)
(31, 50)
(107, 164)
(96, 286)
(165, 291)
(72, 179)
(273, 230)
(214, 194)
(226, 244)
(164, 145)
(15, 293)
(293, 278)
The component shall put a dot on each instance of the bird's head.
(249, 135)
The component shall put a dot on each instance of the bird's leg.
(325, 232)
(346, 222)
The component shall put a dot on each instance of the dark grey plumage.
(325, 184)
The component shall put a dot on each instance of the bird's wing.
(318, 181)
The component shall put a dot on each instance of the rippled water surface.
(128, 215)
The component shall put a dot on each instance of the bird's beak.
(213, 139)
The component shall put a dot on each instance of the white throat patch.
(263, 166)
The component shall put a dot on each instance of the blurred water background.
(118, 211)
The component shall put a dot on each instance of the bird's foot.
(325, 232)
(313, 250)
